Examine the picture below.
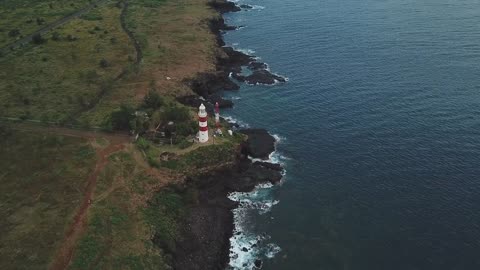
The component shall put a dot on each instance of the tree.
(38, 39)
(121, 119)
(40, 21)
(55, 36)
(104, 63)
(14, 33)
(152, 100)
(139, 124)
(176, 114)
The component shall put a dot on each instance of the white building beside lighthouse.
(203, 124)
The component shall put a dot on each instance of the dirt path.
(76, 229)
(113, 137)
(123, 23)
(50, 26)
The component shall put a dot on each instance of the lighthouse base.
(203, 136)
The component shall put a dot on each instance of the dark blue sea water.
(380, 122)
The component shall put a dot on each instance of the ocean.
(379, 128)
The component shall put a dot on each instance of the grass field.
(42, 178)
(72, 77)
(57, 80)
(176, 45)
(23, 17)
(119, 234)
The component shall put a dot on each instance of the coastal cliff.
(205, 231)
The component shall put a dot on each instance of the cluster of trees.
(153, 112)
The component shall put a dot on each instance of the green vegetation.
(59, 79)
(202, 158)
(165, 211)
(119, 229)
(23, 17)
(42, 179)
(85, 73)
(71, 74)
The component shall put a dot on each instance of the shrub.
(152, 100)
(40, 21)
(104, 63)
(14, 33)
(185, 144)
(71, 37)
(55, 36)
(121, 119)
(38, 39)
(176, 114)
(142, 144)
(186, 128)
(165, 213)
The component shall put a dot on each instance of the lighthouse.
(203, 125)
(217, 118)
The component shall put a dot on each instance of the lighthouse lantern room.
(203, 124)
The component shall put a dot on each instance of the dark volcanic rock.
(195, 101)
(205, 232)
(258, 264)
(218, 24)
(259, 143)
(222, 103)
(238, 77)
(230, 28)
(206, 84)
(263, 174)
(230, 124)
(263, 77)
(246, 6)
(223, 6)
(271, 166)
(234, 60)
(257, 65)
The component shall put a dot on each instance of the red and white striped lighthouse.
(203, 125)
(217, 117)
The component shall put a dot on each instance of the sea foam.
(246, 246)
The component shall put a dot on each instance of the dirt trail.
(50, 26)
(76, 229)
(117, 137)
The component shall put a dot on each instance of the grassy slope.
(117, 236)
(22, 14)
(42, 181)
(175, 42)
(57, 80)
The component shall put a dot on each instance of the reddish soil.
(76, 229)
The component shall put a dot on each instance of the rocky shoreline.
(204, 241)
(229, 63)
(206, 231)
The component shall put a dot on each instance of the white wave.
(276, 82)
(246, 247)
(278, 138)
(234, 98)
(257, 7)
(274, 157)
(249, 52)
(272, 250)
(231, 119)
